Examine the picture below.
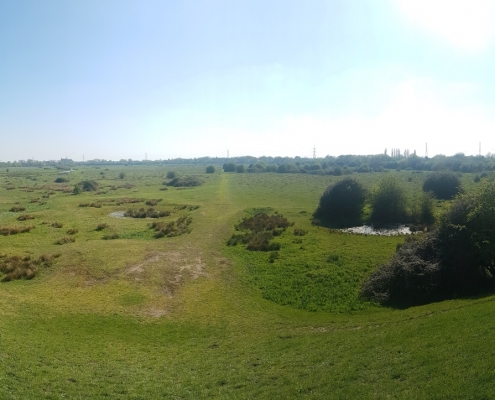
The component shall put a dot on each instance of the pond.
(387, 231)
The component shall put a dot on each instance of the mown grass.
(189, 317)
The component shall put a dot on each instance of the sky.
(161, 79)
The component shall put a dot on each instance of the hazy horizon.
(120, 79)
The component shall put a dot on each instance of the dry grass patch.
(65, 239)
(25, 217)
(14, 230)
(17, 267)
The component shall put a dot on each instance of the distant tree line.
(329, 165)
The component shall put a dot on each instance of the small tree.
(388, 202)
(172, 175)
(76, 190)
(240, 169)
(229, 167)
(341, 204)
(210, 169)
(443, 185)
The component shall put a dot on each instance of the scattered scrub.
(149, 213)
(17, 267)
(17, 209)
(111, 237)
(152, 202)
(65, 239)
(300, 232)
(14, 230)
(261, 229)
(174, 228)
(100, 227)
(25, 217)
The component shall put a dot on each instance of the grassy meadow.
(121, 314)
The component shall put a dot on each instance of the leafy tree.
(443, 185)
(210, 169)
(341, 204)
(229, 167)
(240, 168)
(389, 202)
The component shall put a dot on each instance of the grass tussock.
(25, 217)
(14, 230)
(152, 202)
(57, 225)
(17, 267)
(111, 237)
(17, 209)
(102, 226)
(174, 228)
(149, 213)
(72, 231)
(65, 239)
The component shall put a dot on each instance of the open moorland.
(118, 284)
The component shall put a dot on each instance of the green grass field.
(140, 317)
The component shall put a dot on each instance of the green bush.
(229, 167)
(88, 186)
(388, 202)
(240, 169)
(455, 260)
(61, 180)
(185, 181)
(172, 175)
(444, 185)
(341, 204)
(210, 169)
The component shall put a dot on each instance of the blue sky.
(118, 79)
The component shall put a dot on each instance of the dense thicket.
(341, 205)
(185, 181)
(444, 185)
(458, 259)
(388, 202)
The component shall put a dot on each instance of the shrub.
(76, 190)
(88, 186)
(210, 169)
(341, 204)
(173, 228)
(122, 175)
(65, 239)
(300, 232)
(458, 259)
(423, 211)
(61, 180)
(111, 237)
(149, 213)
(17, 209)
(102, 226)
(444, 185)
(261, 228)
(25, 217)
(240, 169)
(152, 202)
(172, 175)
(17, 267)
(72, 231)
(57, 224)
(185, 181)
(389, 202)
(14, 230)
(229, 167)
